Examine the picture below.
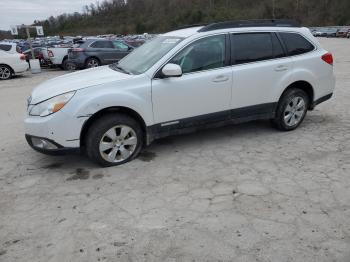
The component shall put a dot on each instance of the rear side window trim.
(282, 43)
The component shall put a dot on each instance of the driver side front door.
(203, 93)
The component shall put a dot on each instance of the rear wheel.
(92, 62)
(5, 72)
(68, 66)
(291, 109)
(114, 140)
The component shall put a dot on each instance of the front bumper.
(62, 128)
(48, 146)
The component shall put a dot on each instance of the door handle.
(220, 78)
(281, 68)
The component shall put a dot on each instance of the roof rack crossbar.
(251, 23)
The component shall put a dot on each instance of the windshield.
(144, 57)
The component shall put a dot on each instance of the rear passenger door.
(103, 50)
(260, 70)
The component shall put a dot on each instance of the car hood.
(75, 81)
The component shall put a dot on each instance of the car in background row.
(95, 52)
(12, 64)
(344, 32)
(39, 53)
(58, 56)
(332, 32)
(319, 33)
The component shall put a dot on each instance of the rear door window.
(252, 47)
(296, 44)
(102, 44)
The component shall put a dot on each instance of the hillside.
(139, 16)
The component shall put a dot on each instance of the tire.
(5, 72)
(68, 66)
(107, 146)
(92, 62)
(291, 110)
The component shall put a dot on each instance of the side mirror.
(172, 70)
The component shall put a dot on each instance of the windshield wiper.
(115, 66)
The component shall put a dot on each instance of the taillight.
(22, 57)
(328, 58)
(50, 53)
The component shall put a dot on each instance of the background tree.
(155, 16)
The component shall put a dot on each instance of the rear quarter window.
(5, 47)
(296, 44)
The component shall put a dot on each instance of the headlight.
(51, 105)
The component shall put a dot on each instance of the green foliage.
(5, 35)
(154, 16)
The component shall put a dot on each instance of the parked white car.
(12, 64)
(59, 56)
(180, 82)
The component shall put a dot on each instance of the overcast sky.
(17, 12)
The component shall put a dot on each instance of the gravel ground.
(239, 193)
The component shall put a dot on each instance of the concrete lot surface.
(239, 193)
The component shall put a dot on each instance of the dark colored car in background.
(332, 32)
(96, 52)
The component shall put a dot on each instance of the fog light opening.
(43, 143)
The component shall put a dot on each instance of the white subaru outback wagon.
(183, 81)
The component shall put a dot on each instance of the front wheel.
(291, 109)
(114, 140)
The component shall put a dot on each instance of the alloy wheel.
(118, 144)
(5, 72)
(71, 66)
(295, 111)
(92, 63)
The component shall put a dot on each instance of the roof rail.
(190, 26)
(251, 23)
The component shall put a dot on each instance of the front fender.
(89, 101)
